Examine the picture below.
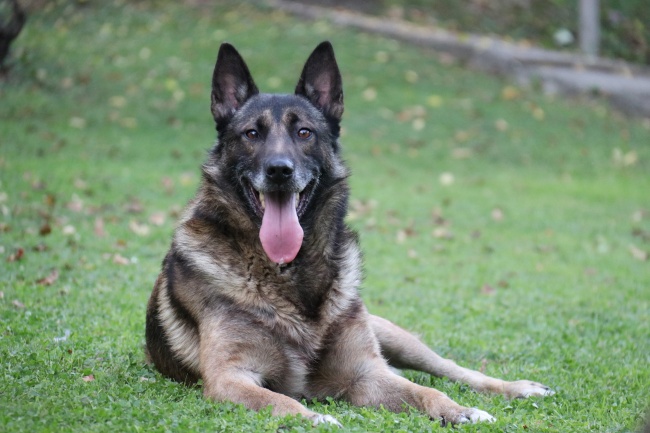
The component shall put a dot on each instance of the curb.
(626, 86)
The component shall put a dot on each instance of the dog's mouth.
(281, 233)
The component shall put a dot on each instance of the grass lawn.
(509, 230)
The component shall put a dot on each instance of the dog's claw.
(477, 415)
(468, 416)
(526, 388)
(322, 419)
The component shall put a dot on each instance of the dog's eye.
(304, 133)
(252, 134)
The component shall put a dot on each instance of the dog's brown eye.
(304, 133)
(252, 134)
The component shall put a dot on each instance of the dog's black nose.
(279, 169)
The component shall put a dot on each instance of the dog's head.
(277, 148)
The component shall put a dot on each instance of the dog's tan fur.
(263, 334)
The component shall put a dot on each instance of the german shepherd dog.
(258, 294)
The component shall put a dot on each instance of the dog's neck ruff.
(281, 234)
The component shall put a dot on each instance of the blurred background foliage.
(625, 24)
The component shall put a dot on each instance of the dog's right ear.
(232, 84)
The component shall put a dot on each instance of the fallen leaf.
(370, 94)
(638, 215)
(446, 179)
(497, 214)
(75, 204)
(501, 125)
(510, 93)
(418, 124)
(434, 101)
(45, 229)
(168, 185)
(120, 260)
(18, 255)
(442, 233)
(49, 279)
(638, 253)
(157, 218)
(88, 378)
(461, 153)
(411, 76)
(483, 366)
(139, 229)
(80, 184)
(69, 230)
(77, 122)
(16, 303)
(49, 200)
(187, 179)
(99, 227)
(134, 206)
(487, 290)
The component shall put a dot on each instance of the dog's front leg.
(235, 362)
(352, 368)
(403, 350)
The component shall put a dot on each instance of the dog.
(258, 294)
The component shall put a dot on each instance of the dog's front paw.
(318, 418)
(467, 415)
(525, 389)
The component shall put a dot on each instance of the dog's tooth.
(297, 201)
(262, 202)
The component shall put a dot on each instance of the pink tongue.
(281, 234)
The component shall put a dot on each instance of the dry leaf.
(487, 289)
(510, 93)
(401, 236)
(120, 260)
(167, 184)
(88, 378)
(370, 94)
(442, 233)
(497, 214)
(69, 230)
(638, 253)
(16, 303)
(501, 125)
(157, 218)
(446, 179)
(139, 229)
(49, 279)
(45, 229)
(134, 206)
(18, 255)
(76, 204)
(187, 179)
(99, 227)
(461, 153)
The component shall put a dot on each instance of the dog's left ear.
(232, 83)
(321, 83)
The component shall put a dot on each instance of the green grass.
(527, 265)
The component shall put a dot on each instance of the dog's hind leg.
(403, 350)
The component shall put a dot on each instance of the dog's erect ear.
(232, 83)
(321, 83)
